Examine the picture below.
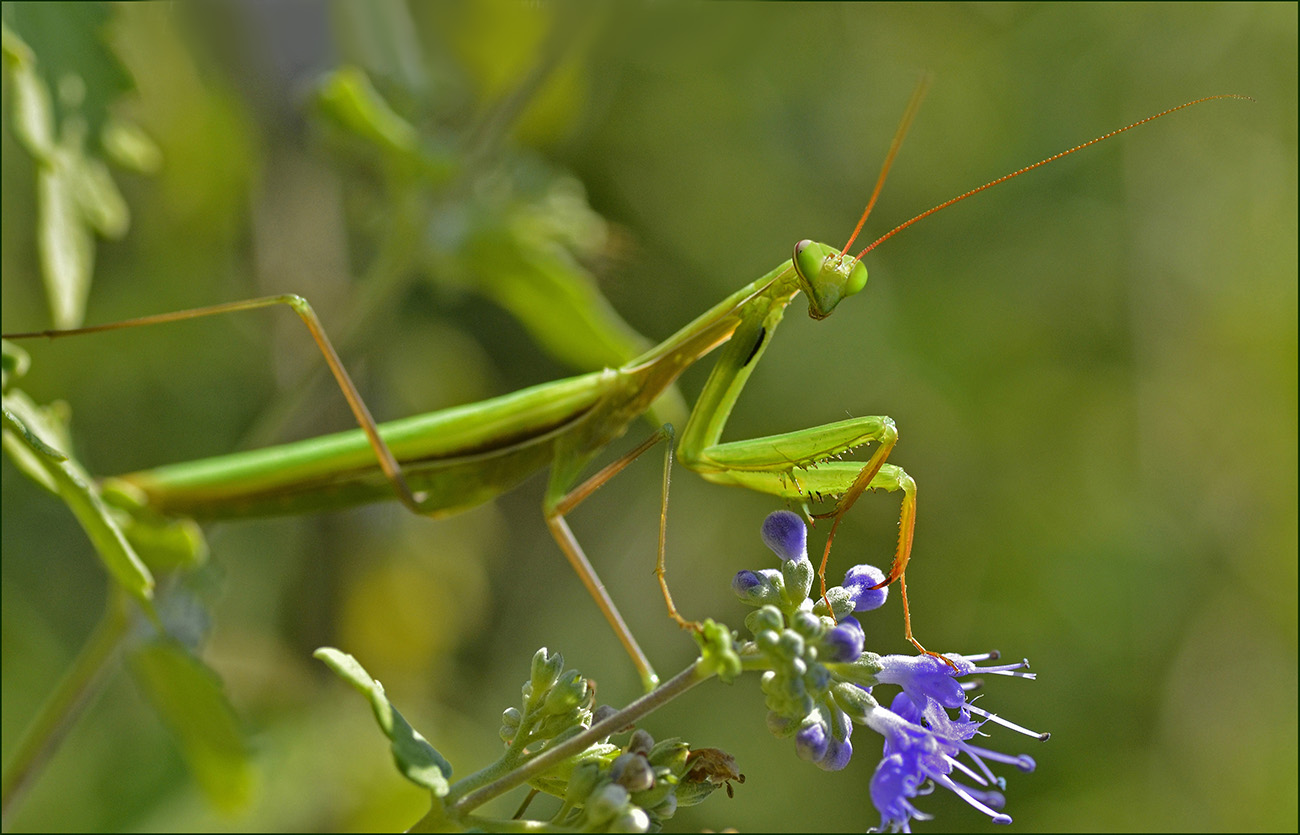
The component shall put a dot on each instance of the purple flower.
(923, 676)
(811, 740)
(923, 742)
(858, 582)
(825, 741)
(845, 641)
(838, 754)
(785, 533)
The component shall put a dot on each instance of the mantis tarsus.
(447, 461)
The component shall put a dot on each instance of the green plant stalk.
(75, 692)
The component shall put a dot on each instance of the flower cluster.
(818, 683)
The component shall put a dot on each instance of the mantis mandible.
(443, 462)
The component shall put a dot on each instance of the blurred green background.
(1093, 370)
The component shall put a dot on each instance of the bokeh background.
(1093, 369)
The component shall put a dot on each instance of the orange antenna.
(1003, 179)
(913, 105)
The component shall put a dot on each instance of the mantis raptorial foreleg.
(799, 466)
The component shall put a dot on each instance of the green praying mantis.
(443, 462)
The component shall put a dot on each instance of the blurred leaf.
(101, 204)
(28, 429)
(192, 702)
(33, 114)
(15, 363)
(69, 40)
(130, 147)
(418, 761)
(66, 247)
(348, 99)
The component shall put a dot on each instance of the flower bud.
(670, 754)
(858, 581)
(581, 781)
(818, 678)
(632, 820)
(798, 578)
(790, 644)
(666, 809)
(641, 742)
(632, 772)
(808, 625)
(606, 802)
(811, 741)
(766, 617)
(757, 588)
(545, 671)
(844, 642)
(841, 600)
(781, 726)
(569, 692)
(785, 533)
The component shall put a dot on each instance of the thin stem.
(552, 757)
(78, 689)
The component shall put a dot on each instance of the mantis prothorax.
(443, 462)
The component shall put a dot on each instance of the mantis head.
(827, 276)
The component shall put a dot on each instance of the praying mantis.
(446, 461)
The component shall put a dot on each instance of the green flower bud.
(763, 618)
(604, 803)
(790, 645)
(798, 578)
(641, 742)
(671, 755)
(633, 772)
(842, 603)
(781, 726)
(666, 809)
(581, 782)
(546, 671)
(632, 820)
(569, 692)
(854, 701)
(810, 626)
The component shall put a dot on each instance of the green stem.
(83, 681)
(552, 757)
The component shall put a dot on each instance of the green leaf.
(29, 433)
(192, 703)
(418, 761)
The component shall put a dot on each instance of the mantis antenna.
(911, 113)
